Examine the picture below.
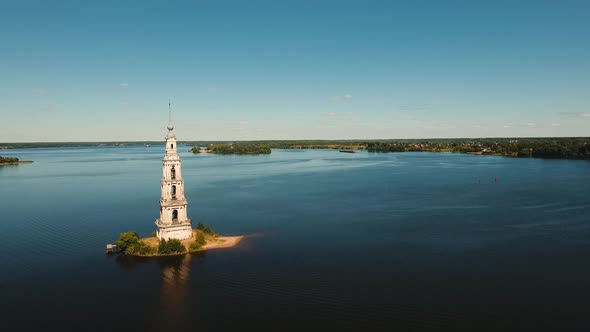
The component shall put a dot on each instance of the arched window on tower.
(174, 215)
(173, 191)
(173, 173)
(172, 146)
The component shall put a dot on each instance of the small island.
(203, 238)
(174, 234)
(12, 161)
(239, 148)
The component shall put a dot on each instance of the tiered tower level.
(173, 222)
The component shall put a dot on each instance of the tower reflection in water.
(175, 305)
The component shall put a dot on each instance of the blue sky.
(244, 70)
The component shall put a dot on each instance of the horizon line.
(305, 139)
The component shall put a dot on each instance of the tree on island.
(130, 244)
(126, 240)
(172, 246)
(8, 160)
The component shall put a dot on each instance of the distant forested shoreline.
(542, 147)
(554, 148)
(237, 148)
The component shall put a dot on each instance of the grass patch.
(202, 234)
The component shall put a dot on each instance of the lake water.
(413, 241)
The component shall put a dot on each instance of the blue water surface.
(413, 241)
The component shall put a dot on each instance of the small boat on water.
(348, 151)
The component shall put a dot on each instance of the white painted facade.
(173, 222)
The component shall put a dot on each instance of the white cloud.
(520, 125)
(336, 114)
(344, 97)
(243, 123)
(39, 92)
(124, 84)
(576, 114)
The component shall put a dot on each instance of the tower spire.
(170, 124)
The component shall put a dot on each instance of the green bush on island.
(130, 244)
(126, 240)
(8, 160)
(141, 248)
(172, 246)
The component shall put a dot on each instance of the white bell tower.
(173, 222)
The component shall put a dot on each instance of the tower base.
(178, 232)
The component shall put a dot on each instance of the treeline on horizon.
(16, 145)
(542, 147)
(557, 148)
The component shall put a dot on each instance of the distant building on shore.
(173, 222)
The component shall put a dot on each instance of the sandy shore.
(223, 242)
(17, 163)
